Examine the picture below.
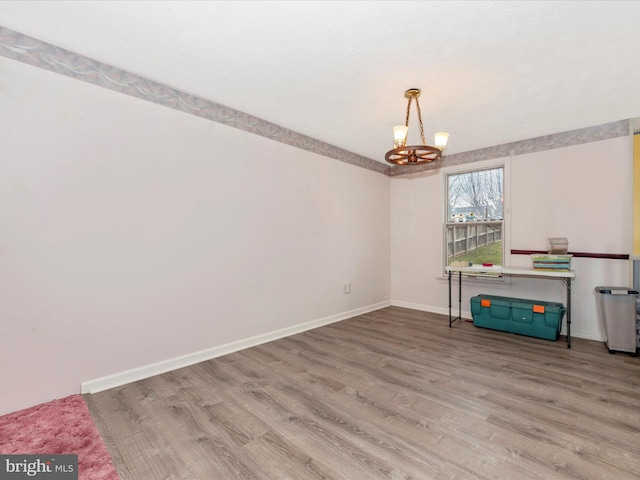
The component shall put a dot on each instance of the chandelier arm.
(413, 155)
(406, 120)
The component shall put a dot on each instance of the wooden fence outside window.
(465, 237)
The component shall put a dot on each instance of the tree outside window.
(474, 226)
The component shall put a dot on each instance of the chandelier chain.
(406, 122)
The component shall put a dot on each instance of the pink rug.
(59, 427)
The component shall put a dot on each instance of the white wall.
(582, 192)
(131, 233)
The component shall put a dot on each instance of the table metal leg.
(568, 284)
(450, 299)
(451, 319)
(460, 296)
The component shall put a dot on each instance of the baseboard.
(140, 373)
(431, 309)
(585, 334)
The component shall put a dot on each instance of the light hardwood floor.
(393, 394)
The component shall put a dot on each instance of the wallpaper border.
(37, 53)
(606, 131)
(29, 50)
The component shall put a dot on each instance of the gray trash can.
(617, 316)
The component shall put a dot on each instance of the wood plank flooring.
(393, 394)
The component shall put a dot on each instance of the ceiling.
(491, 72)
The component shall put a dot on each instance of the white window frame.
(505, 164)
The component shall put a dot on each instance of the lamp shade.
(441, 139)
(400, 136)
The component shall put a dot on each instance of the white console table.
(564, 276)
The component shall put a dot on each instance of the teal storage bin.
(534, 318)
(494, 312)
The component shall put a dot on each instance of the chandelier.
(414, 154)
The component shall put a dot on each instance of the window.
(474, 217)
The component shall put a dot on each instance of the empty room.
(314, 239)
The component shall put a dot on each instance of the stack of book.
(551, 262)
